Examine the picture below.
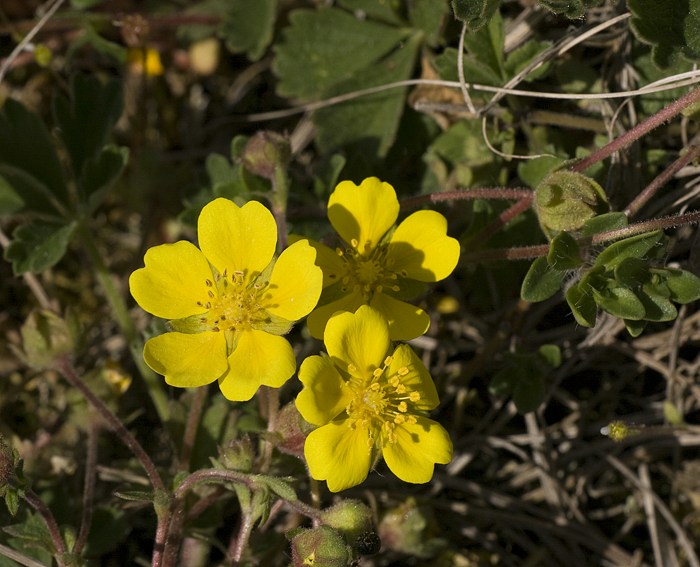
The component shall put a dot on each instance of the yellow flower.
(228, 302)
(379, 266)
(368, 402)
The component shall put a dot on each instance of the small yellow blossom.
(380, 265)
(228, 301)
(142, 61)
(369, 402)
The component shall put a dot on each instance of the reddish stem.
(54, 531)
(465, 194)
(638, 131)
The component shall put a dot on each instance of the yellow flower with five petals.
(379, 266)
(368, 401)
(228, 301)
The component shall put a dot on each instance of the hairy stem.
(89, 486)
(638, 131)
(43, 510)
(466, 194)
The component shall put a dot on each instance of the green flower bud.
(265, 152)
(46, 337)
(319, 547)
(565, 200)
(354, 520)
(291, 431)
(410, 528)
(239, 455)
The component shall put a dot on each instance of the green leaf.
(639, 246)
(524, 55)
(533, 171)
(100, 174)
(620, 302)
(371, 121)
(541, 281)
(310, 60)
(604, 223)
(528, 392)
(475, 13)
(135, 495)
(670, 26)
(656, 303)
(486, 45)
(572, 9)
(86, 119)
(248, 26)
(385, 11)
(279, 486)
(582, 305)
(428, 16)
(26, 149)
(37, 246)
(10, 201)
(632, 272)
(683, 285)
(635, 328)
(12, 501)
(564, 253)
(551, 354)
(503, 382)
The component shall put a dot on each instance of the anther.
(211, 294)
(414, 396)
(377, 372)
(208, 282)
(403, 371)
(402, 407)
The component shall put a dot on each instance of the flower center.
(381, 402)
(368, 272)
(235, 303)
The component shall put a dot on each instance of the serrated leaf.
(10, 200)
(428, 16)
(37, 246)
(309, 61)
(529, 392)
(86, 119)
(582, 305)
(640, 246)
(248, 26)
(564, 253)
(670, 26)
(621, 302)
(279, 486)
(541, 281)
(100, 174)
(371, 121)
(385, 11)
(475, 13)
(26, 148)
(683, 285)
(604, 223)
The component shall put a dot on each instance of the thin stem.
(504, 218)
(531, 252)
(89, 486)
(65, 367)
(209, 476)
(238, 543)
(19, 557)
(466, 194)
(278, 202)
(35, 502)
(638, 131)
(270, 404)
(191, 427)
(664, 177)
(116, 301)
(304, 509)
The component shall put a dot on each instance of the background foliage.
(122, 119)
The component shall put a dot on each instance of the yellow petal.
(360, 339)
(418, 378)
(325, 393)
(173, 281)
(258, 359)
(330, 263)
(295, 284)
(417, 449)
(406, 321)
(319, 317)
(362, 215)
(237, 239)
(338, 454)
(421, 248)
(187, 360)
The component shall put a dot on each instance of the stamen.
(208, 282)
(414, 396)
(403, 371)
